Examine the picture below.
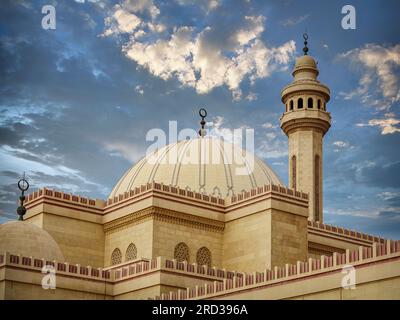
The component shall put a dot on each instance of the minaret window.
(310, 103)
(294, 172)
(300, 103)
(319, 104)
(291, 104)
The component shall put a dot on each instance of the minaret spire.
(203, 114)
(23, 185)
(305, 49)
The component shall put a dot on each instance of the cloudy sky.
(76, 102)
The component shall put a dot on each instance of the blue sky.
(77, 101)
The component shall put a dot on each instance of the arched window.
(316, 187)
(291, 104)
(319, 104)
(203, 257)
(310, 103)
(294, 172)
(116, 257)
(181, 252)
(300, 103)
(131, 252)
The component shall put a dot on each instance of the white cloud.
(290, 22)
(207, 5)
(255, 26)
(388, 125)
(213, 4)
(269, 125)
(139, 89)
(18, 160)
(190, 60)
(252, 96)
(379, 65)
(387, 195)
(194, 57)
(142, 6)
(121, 21)
(166, 58)
(341, 145)
(125, 150)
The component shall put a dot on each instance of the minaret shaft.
(305, 122)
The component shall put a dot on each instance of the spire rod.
(305, 49)
(203, 114)
(23, 185)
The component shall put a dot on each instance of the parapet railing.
(165, 189)
(68, 197)
(279, 274)
(120, 272)
(60, 267)
(345, 232)
(266, 189)
(161, 263)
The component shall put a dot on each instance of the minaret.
(305, 122)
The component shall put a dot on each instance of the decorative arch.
(294, 170)
(291, 105)
(310, 103)
(203, 257)
(181, 252)
(131, 252)
(116, 257)
(317, 187)
(300, 103)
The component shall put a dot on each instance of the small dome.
(305, 69)
(305, 61)
(217, 168)
(27, 239)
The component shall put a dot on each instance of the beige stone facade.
(203, 232)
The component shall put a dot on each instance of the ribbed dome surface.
(207, 165)
(27, 239)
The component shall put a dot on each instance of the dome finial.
(305, 37)
(23, 185)
(203, 114)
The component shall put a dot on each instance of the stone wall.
(80, 241)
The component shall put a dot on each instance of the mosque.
(176, 230)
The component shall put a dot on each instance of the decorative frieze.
(166, 215)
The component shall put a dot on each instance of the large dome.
(207, 165)
(27, 239)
